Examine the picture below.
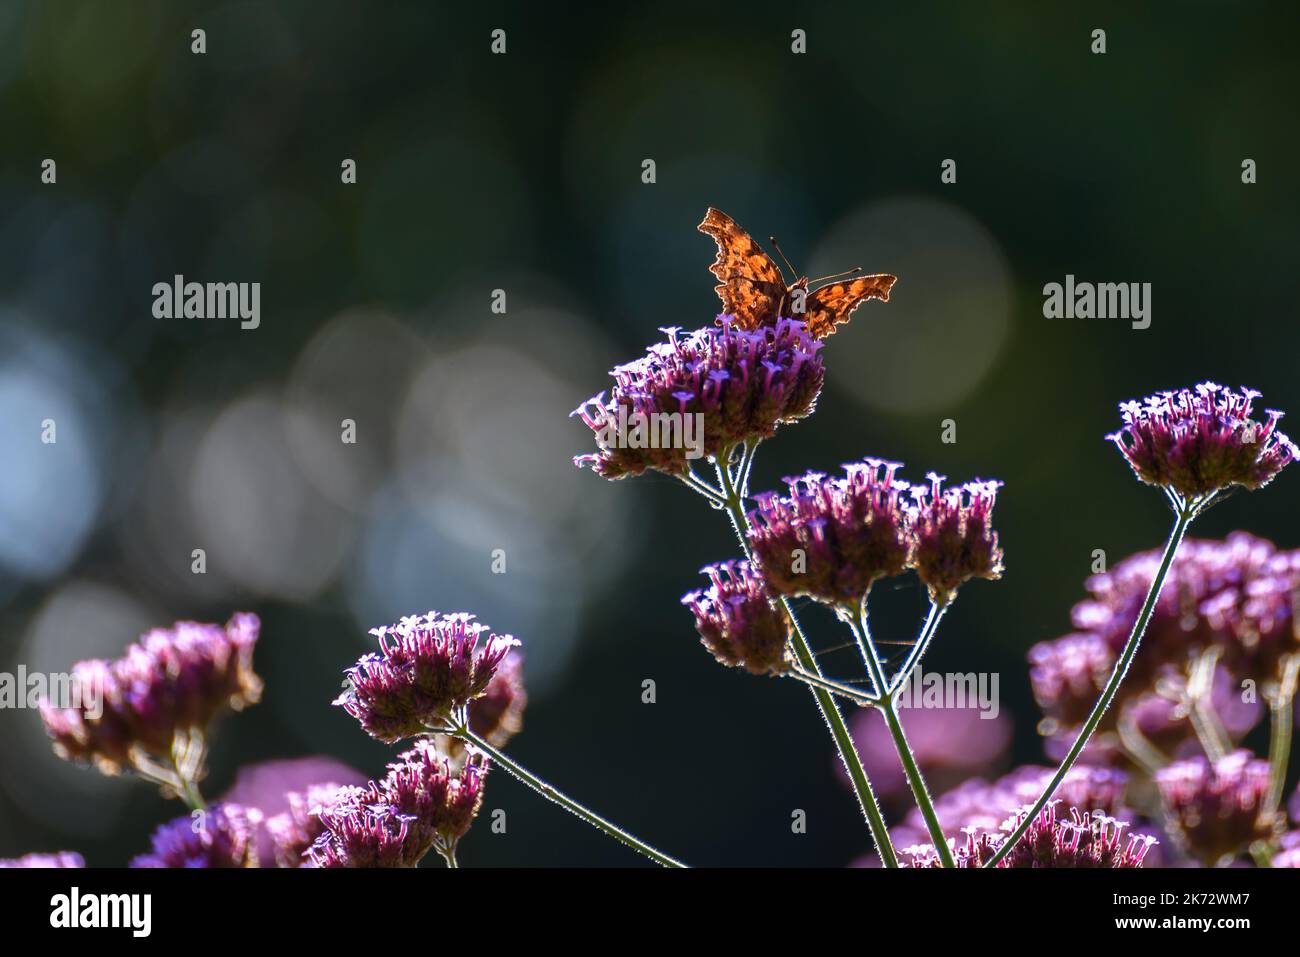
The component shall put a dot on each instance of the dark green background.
(1122, 167)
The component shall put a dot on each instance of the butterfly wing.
(751, 287)
(827, 307)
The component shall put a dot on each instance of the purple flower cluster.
(295, 830)
(1233, 597)
(1197, 442)
(57, 859)
(739, 621)
(1219, 806)
(424, 803)
(742, 384)
(978, 808)
(1082, 841)
(953, 537)
(832, 538)
(173, 681)
(225, 835)
(428, 669)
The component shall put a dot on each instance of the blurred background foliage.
(522, 172)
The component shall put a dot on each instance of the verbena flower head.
(222, 836)
(741, 384)
(425, 802)
(954, 537)
(173, 681)
(294, 831)
(1196, 442)
(1219, 806)
(441, 800)
(57, 859)
(361, 830)
(427, 670)
(1078, 840)
(832, 538)
(498, 714)
(738, 620)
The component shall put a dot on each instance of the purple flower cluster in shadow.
(1226, 605)
(1219, 806)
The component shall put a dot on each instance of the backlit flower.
(424, 803)
(427, 670)
(953, 535)
(832, 538)
(293, 831)
(360, 830)
(738, 620)
(700, 393)
(1197, 442)
(173, 682)
(222, 836)
(1078, 840)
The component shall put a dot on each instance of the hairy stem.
(563, 800)
(920, 646)
(1185, 512)
(834, 687)
(830, 711)
(1204, 719)
(915, 780)
(1282, 712)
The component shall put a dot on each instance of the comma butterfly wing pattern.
(751, 287)
(753, 290)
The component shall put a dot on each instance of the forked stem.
(826, 704)
(1184, 511)
(887, 706)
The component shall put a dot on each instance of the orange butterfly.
(754, 291)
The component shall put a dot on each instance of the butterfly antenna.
(848, 272)
(794, 273)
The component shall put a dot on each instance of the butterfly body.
(754, 291)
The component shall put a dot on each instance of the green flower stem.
(889, 709)
(863, 698)
(920, 646)
(1204, 719)
(1282, 711)
(1185, 512)
(563, 800)
(830, 711)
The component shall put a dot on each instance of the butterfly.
(753, 289)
